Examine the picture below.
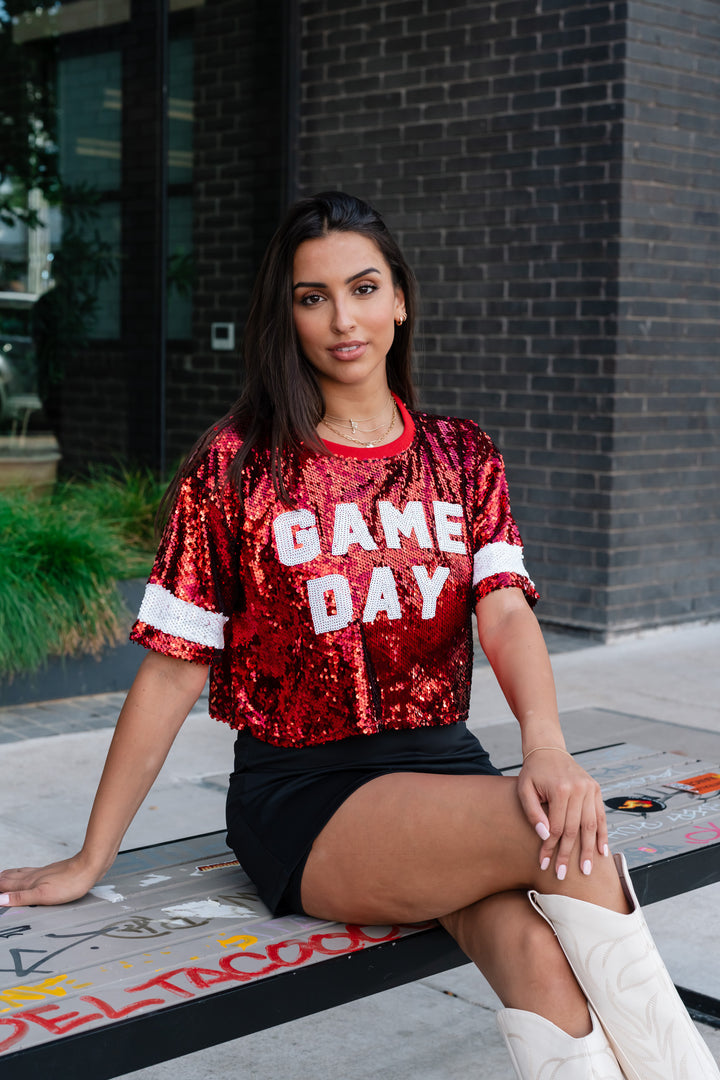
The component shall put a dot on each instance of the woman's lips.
(348, 350)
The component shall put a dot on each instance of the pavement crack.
(459, 997)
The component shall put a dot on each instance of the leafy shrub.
(127, 501)
(60, 557)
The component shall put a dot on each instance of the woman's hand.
(56, 883)
(564, 805)
(162, 694)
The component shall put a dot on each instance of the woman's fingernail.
(542, 830)
(4, 899)
(545, 863)
(606, 850)
(587, 867)
(561, 872)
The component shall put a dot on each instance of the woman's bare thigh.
(406, 847)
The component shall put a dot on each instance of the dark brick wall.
(490, 135)
(92, 426)
(664, 525)
(237, 197)
(565, 253)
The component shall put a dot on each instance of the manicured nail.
(587, 867)
(5, 900)
(561, 872)
(542, 831)
(606, 850)
(545, 863)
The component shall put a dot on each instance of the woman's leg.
(407, 847)
(518, 954)
(412, 846)
(617, 965)
(546, 1024)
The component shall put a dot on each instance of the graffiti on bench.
(182, 920)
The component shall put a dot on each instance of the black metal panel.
(678, 874)
(701, 1007)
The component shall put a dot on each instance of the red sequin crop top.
(351, 613)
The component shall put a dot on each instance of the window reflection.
(88, 135)
(83, 181)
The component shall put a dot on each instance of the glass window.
(89, 120)
(180, 267)
(180, 163)
(85, 197)
(180, 111)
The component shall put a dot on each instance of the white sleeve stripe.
(498, 558)
(180, 618)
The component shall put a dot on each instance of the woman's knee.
(518, 954)
(502, 930)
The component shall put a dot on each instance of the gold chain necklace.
(357, 442)
(354, 424)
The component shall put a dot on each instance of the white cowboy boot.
(541, 1051)
(624, 979)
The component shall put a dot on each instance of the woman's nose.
(343, 320)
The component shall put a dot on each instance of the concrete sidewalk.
(441, 1028)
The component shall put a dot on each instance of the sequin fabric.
(350, 613)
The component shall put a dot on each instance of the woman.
(325, 549)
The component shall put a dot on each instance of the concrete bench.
(174, 952)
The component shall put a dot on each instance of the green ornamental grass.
(127, 500)
(60, 557)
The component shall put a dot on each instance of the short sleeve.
(191, 591)
(497, 548)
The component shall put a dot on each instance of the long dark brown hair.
(281, 399)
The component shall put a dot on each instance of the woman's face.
(344, 307)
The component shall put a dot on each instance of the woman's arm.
(164, 691)
(559, 798)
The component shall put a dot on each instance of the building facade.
(552, 169)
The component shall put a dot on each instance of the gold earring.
(399, 321)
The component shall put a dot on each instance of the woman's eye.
(366, 288)
(311, 299)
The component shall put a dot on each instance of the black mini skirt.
(281, 798)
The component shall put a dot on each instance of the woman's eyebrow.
(369, 270)
(323, 284)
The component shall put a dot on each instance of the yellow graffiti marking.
(20, 995)
(241, 940)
